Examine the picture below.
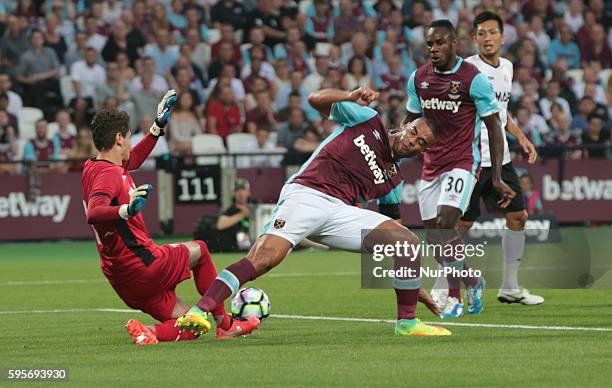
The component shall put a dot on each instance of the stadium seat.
(575, 75)
(66, 88)
(54, 128)
(241, 142)
(27, 126)
(208, 144)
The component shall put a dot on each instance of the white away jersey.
(500, 78)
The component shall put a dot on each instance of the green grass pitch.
(51, 294)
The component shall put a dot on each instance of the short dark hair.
(105, 126)
(486, 16)
(593, 116)
(444, 23)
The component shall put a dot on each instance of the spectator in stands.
(395, 111)
(360, 45)
(83, 149)
(445, 10)
(313, 81)
(525, 122)
(65, 15)
(4, 104)
(185, 81)
(53, 38)
(111, 11)
(200, 50)
(295, 102)
(263, 114)
(598, 50)
(159, 84)
(64, 138)
(258, 65)
(9, 147)
(41, 147)
(394, 79)
(14, 42)
(225, 57)
(585, 107)
(161, 147)
(164, 55)
(143, 99)
(176, 15)
(573, 15)
(295, 85)
(539, 36)
(93, 37)
(77, 51)
(564, 135)
(198, 77)
(122, 39)
(86, 77)
(564, 47)
(320, 25)
(15, 103)
(356, 75)
(234, 224)
(303, 146)
(532, 198)
(262, 145)
(227, 36)
(38, 71)
(553, 89)
(266, 17)
(115, 86)
(126, 72)
(184, 125)
(223, 113)
(596, 137)
(590, 79)
(293, 129)
(228, 11)
(345, 25)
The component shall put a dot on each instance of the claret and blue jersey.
(454, 101)
(355, 162)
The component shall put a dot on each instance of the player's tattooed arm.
(527, 146)
(496, 146)
(323, 100)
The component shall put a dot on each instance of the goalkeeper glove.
(138, 198)
(163, 113)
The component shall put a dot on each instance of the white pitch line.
(486, 325)
(85, 281)
(341, 319)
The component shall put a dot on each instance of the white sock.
(441, 282)
(513, 245)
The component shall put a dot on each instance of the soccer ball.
(251, 302)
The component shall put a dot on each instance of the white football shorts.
(304, 212)
(452, 188)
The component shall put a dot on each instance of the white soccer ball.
(251, 302)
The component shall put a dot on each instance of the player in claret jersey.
(488, 35)
(356, 162)
(143, 274)
(456, 98)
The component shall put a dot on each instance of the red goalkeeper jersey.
(124, 244)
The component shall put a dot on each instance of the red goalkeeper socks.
(204, 276)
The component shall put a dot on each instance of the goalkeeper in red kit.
(143, 274)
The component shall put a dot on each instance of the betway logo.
(370, 157)
(539, 229)
(437, 104)
(16, 205)
(579, 188)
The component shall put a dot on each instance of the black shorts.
(484, 189)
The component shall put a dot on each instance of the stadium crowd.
(248, 67)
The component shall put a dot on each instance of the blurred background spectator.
(248, 67)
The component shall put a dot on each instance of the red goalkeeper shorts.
(152, 290)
